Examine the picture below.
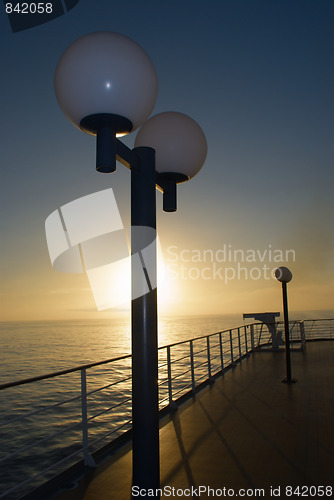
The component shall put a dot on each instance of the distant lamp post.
(107, 86)
(284, 275)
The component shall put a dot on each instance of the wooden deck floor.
(247, 430)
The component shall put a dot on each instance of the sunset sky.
(257, 76)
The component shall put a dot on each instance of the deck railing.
(44, 433)
(319, 329)
(263, 340)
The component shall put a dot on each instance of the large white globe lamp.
(106, 84)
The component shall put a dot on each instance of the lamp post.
(107, 86)
(284, 275)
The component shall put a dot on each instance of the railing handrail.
(317, 319)
(61, 372)
(197, 338)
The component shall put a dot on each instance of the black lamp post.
(107, 86)
(284, 275)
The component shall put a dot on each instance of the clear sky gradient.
(257, 76)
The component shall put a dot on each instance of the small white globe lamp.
(180, 150)
(283, 274)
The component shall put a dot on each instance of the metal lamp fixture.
(284, 275)
(107, 86)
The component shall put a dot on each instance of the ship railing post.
(252, 336)
(209, 359)
(246, 343)
(88, 459)
(221, 351)
(302, 335)
(239, 344)
(231, 346)
(172, 404)
(192, 366)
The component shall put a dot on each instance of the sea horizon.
(32, 348)
(292, 313)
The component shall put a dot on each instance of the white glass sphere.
(178, 140)
(106, 72)
(283, 274)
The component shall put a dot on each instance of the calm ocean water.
(34, 348)
(29, 349)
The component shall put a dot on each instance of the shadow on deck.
(247, 430)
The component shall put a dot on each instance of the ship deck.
(248, 430)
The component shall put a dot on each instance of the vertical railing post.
(221, 351)
(246, 344)
(88, 459)
(209, 358)
(239, 344)
(231, 345)
(169, 369)
(192, 366)
(252, 336)
(302, 335)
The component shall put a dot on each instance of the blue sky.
(257, 76)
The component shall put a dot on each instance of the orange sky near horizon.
(194, 283)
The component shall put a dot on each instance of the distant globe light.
(86, 69)
(283, 274)
(178, 140)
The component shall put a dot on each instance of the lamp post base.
(291, 381)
